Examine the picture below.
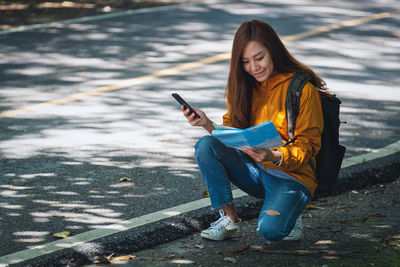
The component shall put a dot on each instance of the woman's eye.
(260, 58)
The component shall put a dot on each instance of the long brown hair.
(240, 85)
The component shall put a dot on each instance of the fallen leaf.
(331, 257)
(109, 256)
(64, 234)
(122, 258)
(230, 259)
(123, 184)
(205, 193)
(314, 207)
(166, 257)
(371, 217)
(241, 247)
(324, 242)
(218, 252)
(257, 247)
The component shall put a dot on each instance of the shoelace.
(221, 222)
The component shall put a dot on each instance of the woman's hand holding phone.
(203, 121)
(192, 118)
(195, 117)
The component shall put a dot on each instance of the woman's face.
(257, 61)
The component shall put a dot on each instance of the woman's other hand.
(262, 155)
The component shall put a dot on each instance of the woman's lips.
(258, 74)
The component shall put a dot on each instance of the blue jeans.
(284, 196)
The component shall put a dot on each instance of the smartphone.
(183, 102)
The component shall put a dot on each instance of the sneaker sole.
(289, 238)
(230, 236)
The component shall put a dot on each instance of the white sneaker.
(223, 228)
(297, 231)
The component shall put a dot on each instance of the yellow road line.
(335, 26)
(184, 67)
(121, 85)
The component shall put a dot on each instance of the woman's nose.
(254, 66)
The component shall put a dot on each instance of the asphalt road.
(62, 163)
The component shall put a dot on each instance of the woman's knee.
(205, 144)
(270, 229)
(270, 233)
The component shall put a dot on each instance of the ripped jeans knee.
(273, 212)
(271, 225)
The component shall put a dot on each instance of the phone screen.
(183, 102)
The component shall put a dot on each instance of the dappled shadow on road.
(100, 160)
(82, 56)
(368, 124)
(78, 57)
(26, 12)
(359, 61)
(363, 74)
(55, 193)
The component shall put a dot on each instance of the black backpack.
(330, 157)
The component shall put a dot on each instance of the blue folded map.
(263, 135)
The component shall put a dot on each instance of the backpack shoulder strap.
(293, 95)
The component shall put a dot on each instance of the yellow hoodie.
(268, 104)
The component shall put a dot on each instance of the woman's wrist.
(209, 126)
(277, 157)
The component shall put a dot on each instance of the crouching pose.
(260, 71)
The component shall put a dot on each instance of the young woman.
(260, 72)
